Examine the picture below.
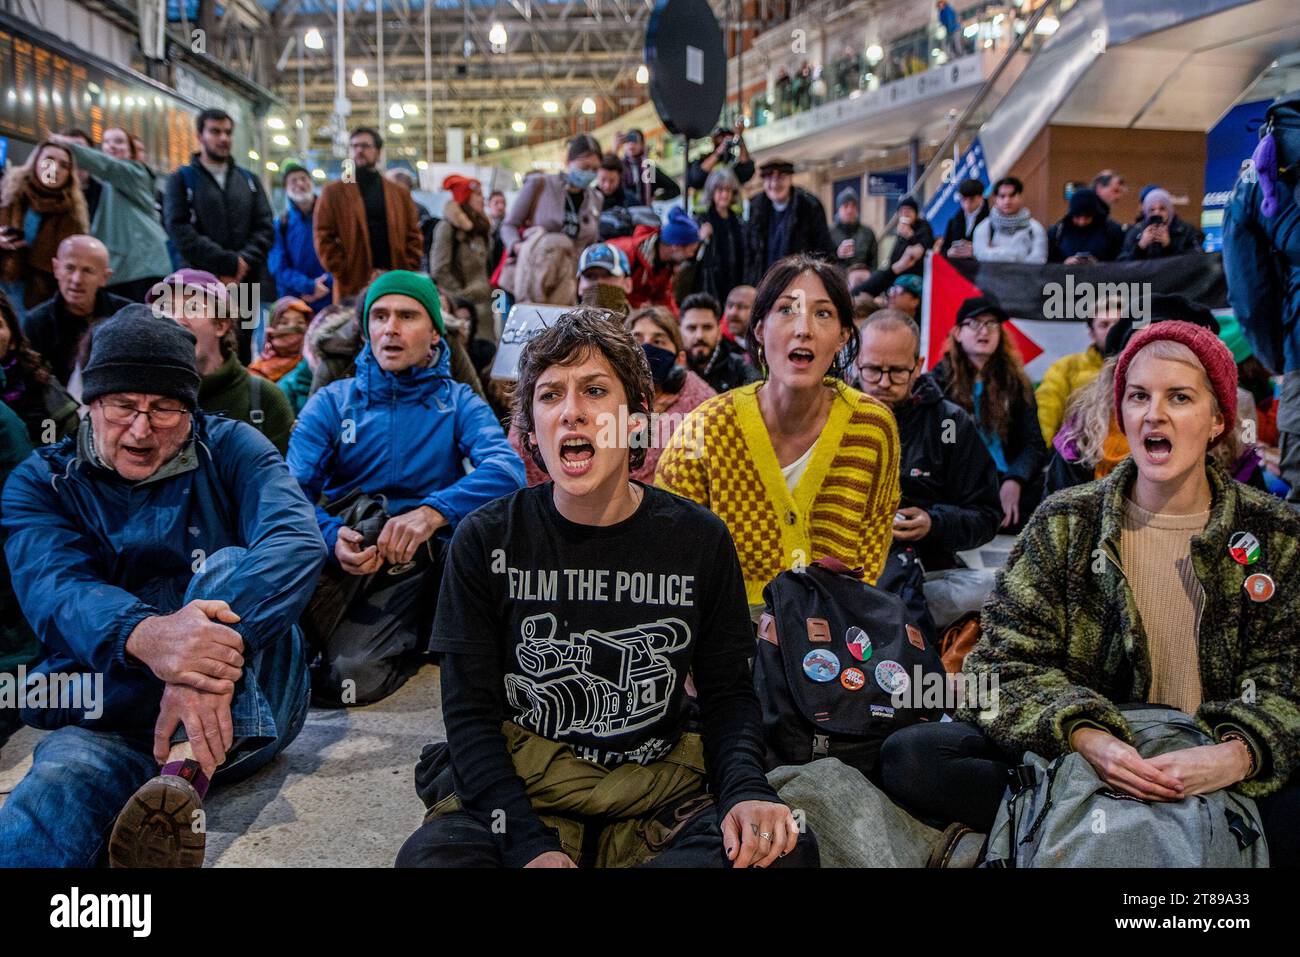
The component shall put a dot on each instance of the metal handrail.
(977, 100)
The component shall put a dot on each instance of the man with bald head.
(58, 328)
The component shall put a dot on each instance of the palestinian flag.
(1244, 548)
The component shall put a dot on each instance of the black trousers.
(381, 638)
(460, 840)
(950, 771)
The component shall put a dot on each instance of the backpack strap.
(189, 176)
(255, 414)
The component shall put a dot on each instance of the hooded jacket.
(948, 472)
(293, 262)
(213, 228)
(1103, 238)
(403, 437)
(92, 554)
(1062, 632)
(807, 232)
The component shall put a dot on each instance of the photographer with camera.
(729, 149)
(1160, 232)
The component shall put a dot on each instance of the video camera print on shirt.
(596, 683)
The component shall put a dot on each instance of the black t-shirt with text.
(585, 635)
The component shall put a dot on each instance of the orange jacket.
(342, 237)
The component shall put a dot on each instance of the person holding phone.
(1086, 234)
(1160, 232)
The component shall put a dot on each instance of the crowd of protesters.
(228, 527)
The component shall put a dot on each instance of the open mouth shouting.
(577, 452)
(1158, 447)
(801, 358)
(391, 348)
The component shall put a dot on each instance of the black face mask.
(668, 376)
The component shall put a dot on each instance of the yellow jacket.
(1064, 376)
(843, 506)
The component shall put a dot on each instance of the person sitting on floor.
(799, 465)
(981, 371)
(948, 481)
(1124, 590)
(162, 556)
(551, 595)
(200, 303)
(385, 450)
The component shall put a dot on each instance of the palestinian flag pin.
(1244, 548)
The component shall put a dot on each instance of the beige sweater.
(1155, 551)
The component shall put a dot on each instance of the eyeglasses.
(124, 413)
(898, 375)
(979, 325)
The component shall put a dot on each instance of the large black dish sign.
(688, 66)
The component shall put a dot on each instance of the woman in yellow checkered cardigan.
(799, 466)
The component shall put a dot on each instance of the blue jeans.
(62, 811)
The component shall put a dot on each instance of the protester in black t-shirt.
(569, 619)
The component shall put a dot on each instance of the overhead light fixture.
(492, 143)
(396, 128)
(313, 40)
(275, 123)
(318, 173)
(359, 77)
(1047, 26)
(421, 165)
(253, 155)
(272, 167)
(550, 106)
(643, 74)
(589, 106)
(395, 111)
(875, 54)
(497, 35)
(519, 126)
(279, 139)
(410, 109)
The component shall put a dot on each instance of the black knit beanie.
(137, 351)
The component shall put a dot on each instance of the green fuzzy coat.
(1062, 634)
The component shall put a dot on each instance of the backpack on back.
(1061, 814)
(839, 667)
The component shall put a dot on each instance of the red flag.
(944, 290)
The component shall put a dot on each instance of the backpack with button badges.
(833, 654)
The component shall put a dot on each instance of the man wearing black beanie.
(162, 558)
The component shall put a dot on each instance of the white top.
(794, 471)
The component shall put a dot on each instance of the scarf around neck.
(1010, 224)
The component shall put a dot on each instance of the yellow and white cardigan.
(843, 506)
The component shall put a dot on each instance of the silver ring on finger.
(765, 835)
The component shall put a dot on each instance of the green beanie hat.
(291, 166)
(1233, 337)
(404, 283)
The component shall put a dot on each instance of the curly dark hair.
(576, 334)
(778, 279)
(30, 364)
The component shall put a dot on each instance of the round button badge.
(892, 677)
(859, 643)
(853, 679)
(1244, 548)
(1260, 587)
(821, 665)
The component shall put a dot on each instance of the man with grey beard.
(293, 260)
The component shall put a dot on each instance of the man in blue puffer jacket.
(162, 558)
(1261, 258)
(384, 452)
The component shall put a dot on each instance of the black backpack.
(832, 653)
